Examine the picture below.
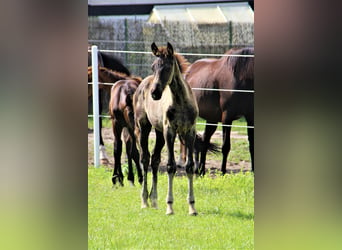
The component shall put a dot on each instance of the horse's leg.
(117, 173)
(103, 154)
(128, 142)
(170, 136)
(135, 157)
(197, 154)
(142, 135)
(182, 154)
(250, 131)
(189, 167)
(226, 143)
(155, 165)
(208, 132)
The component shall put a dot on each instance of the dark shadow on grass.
(237, 214)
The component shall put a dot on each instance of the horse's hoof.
(144, 204)
(192, 212)
(116, 179)
(169, 210)
(154, 204)
(169, 213)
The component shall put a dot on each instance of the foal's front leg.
(170, 136)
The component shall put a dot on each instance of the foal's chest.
(181, 116)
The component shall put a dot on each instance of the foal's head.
(163, 69)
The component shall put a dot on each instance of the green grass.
(106, 123)
(225, 221)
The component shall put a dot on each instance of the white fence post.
(96, 127)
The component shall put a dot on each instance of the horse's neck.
(111, 77)
(178, 88)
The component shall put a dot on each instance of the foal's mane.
(182, 62)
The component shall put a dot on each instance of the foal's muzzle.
(156, 93)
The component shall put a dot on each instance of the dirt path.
(212, 165)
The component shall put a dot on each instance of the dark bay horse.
(122, 116)
(228, 72)
(165, 101)
(113, 63)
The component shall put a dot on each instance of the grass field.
(225, 205)
(106, 123)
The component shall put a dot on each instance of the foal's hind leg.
(182, 154)
(170, 136)
(142, 135)
(189, 167)
(117, 173)
(155, 165)
(128, 142)
(135, 157)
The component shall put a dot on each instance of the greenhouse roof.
(144, 7)
(204, 13)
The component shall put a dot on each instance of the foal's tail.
(199, 145)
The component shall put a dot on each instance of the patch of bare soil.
(213, 166)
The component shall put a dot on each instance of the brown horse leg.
(128, 142)
(155, 161)
(135, 157)
(142, 135)
(182, 155)
(225, 146)
(189, 167)
(250, 132)
(134, 151)
(208, 132)
(117, 173)
(170, 136)
(103, 155)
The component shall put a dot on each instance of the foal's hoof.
(144, 205)
(169, 211)
(120, 181)
(193, 213)
(154, 204)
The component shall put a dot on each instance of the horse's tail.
(199, 145)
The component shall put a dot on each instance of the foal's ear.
(155, 49)
(169, 49)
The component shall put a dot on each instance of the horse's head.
(163, 69)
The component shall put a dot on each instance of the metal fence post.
(96, 126)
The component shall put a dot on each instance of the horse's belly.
(209, 112)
